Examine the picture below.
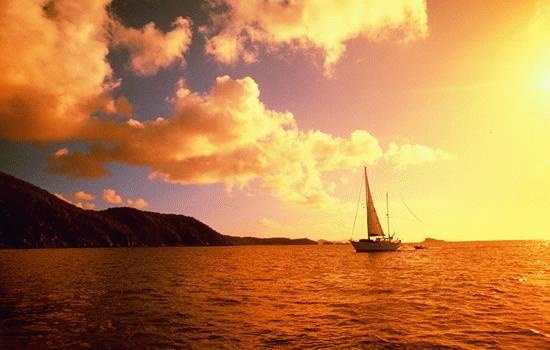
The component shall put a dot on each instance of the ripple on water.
(456, 297)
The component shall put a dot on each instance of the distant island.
(31, 217)
(429, 240)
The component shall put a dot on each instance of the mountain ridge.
(31, 217)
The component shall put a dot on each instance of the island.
(432, 241)
(31, 217)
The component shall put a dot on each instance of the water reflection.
(463, 295)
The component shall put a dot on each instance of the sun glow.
(545, 81)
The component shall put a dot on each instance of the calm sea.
(491, 295)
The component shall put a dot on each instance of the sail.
(373, 224)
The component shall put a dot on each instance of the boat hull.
(375, 246)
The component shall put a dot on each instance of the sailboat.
(376, 240)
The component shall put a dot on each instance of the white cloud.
(77, 199)
(57, 74)
(228, 135)
(409, 154)
(241, 28)
(110, 196)
(86, 205)
(83, 196)
(61, 152)
(138, 203)
(150, 49)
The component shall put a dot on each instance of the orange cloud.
(77, 164)
(60, 152)
(229, 136)
(138, 203)
(408, 154)
(110, 196)
(85, 205)
(121, 106)
(55, 71)
(225, 136)
(78, 197)
(83, 196)
(150, 49)
(59, 77)
(240, 32)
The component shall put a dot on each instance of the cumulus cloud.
(58, 76)
(150, 49)
(408, 154)
(229, 136)
(110, 196)
(121, 106)
(59, 79)
(54, 69)
(85, 200)
(77, 165)
(241, 28)
(138, 203)
(85, 205)
(77, 199)
(61, 152)
(83, 196)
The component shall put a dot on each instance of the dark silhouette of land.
(432, 241)
(31, 217)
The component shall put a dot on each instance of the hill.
(432, 242)
(31, 217)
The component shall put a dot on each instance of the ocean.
(476, 295)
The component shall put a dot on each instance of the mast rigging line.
(356, 209)
(409, 209)
(402, 180)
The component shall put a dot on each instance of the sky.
(257, 117)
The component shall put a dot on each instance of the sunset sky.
(256, 117)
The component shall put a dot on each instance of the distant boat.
(376, 240)
(420, 247)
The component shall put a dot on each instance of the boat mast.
(388, 214)
(367, 201)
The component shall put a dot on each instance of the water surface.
(460, 296)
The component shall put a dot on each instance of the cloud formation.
(80, 199)
(48, 87)
(83, 196)
(110, 196)
(408, 154)
(247, 26)
(138, 203)
(229, 136)
(150, 49)
(85, 200)
(56, 76)
(86, 205)
(59, 79)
